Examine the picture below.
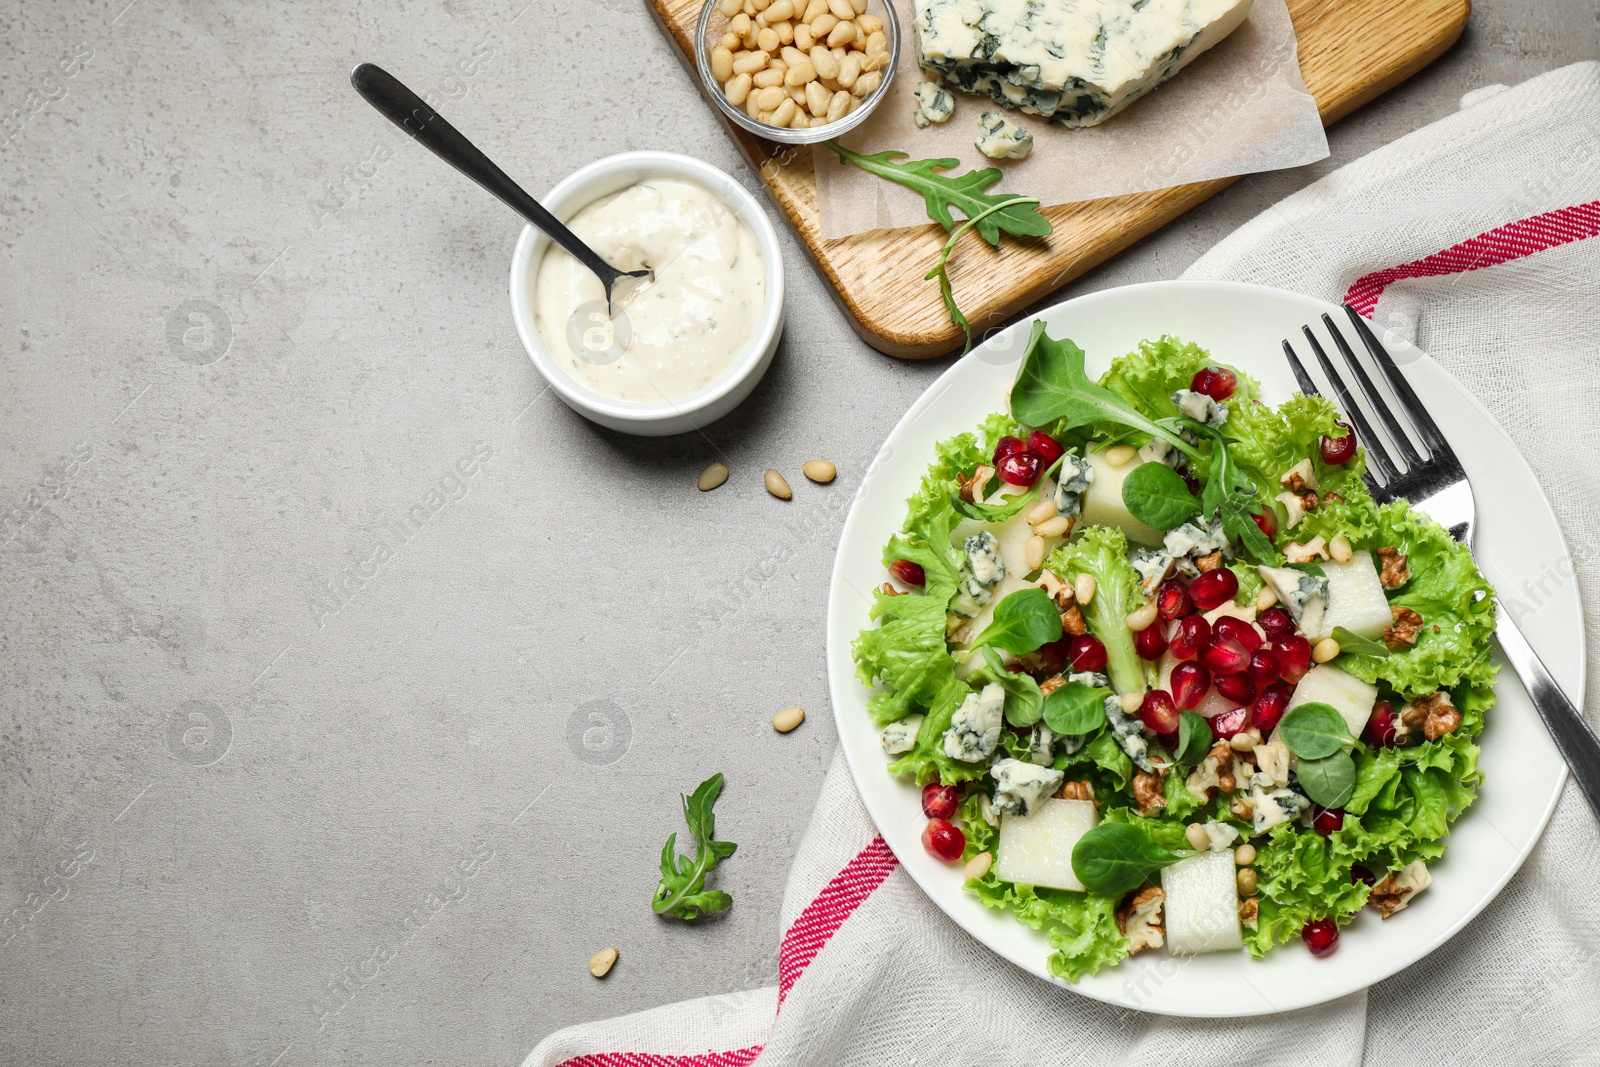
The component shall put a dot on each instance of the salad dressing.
(682, 330)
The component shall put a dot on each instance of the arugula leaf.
(1314, 731)
(1356, 645)
(1001, 212)
(941, 269)
(1330, 780)
(1194, 738)
(1228, 496)
(682, 891)
(1022, 622)
(1156, 496)
(1023, 700)
(1114, 857)
(1075, 708)
(1053, 384)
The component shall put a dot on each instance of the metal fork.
(1436, 485)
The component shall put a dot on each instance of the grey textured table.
(347, 679)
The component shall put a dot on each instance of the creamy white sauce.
(677, 334)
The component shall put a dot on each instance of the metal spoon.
(430, 129)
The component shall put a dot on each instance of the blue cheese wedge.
(1303, 593)
(900, 737)
(1020, 785)
(975, 726)
(1000, 138)
(1042, 745)
(1076, 476)
(1129, 732)
(935, 104)
(1075, 62)
(1200, 407)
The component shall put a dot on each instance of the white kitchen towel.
(1479, 237)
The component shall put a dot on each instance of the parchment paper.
(1238, 109)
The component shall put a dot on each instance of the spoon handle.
(428, 128)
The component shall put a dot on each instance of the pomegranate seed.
(938, 801)
(1231, 722)
(1189, 684)
(1380, 731)
(1269, 707)
(1266, 522)
(1216, 382)
(1189, 480)
(1276, 622)
(1168, 741)
(1361, 874)
(1151, 641)
(1337, 451)
(1172, 600)
(1192, 634)
(1263, 666)
(1045, 445)
(1243, 632)
(1214, 588)
(1051, 658)
(1087, 653)
(1238, 688)
(1021, 468)
(907, 573)
(1159, 712)
(1327, 820)
(1224, 655)
(1321, 936)
(944, 840)
(1294, 657)
(1007, 446)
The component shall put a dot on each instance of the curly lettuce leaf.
(1147, 378)
(1267, 441)
(1102, 552)
(1302, 877)
(1454, 600)
(1406, 799)
(1080, 927)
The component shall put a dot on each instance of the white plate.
(1517, 541)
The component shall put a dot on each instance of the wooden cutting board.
(1350, 52)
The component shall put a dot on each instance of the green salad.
(1170, 679)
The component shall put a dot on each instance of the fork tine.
(1307, 386)
(1418, 412)
(1375, 449)
(1397, 434)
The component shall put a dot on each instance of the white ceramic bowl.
(611, 175)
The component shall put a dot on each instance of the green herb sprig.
(682, 890)
(1316, 733)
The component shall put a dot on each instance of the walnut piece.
(1394, 573)
(1403, 633)
(1434, 715)
(1250, 911)
(888, 590)
(1051, 684)
(1140, 920)
(1241, 808)
(1210, 562)
(1395, 891)
(1147, 791)
(1072, 618)
(1316, 548)
(1083, 790)
(973, 487)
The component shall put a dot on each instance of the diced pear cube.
(1102, 503)
(1348, 695)
(1037, 849)
(1202, 909)
(1355, 598)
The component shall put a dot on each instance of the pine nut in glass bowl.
(797, 71)
(685, 349)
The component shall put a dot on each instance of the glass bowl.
(708, 33)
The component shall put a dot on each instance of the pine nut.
(1247, 881)
(823, 25)
(839, 106)
(730, 41)
(785, 32)
(849, 69)
(739, 25)
(1245, 854)
(870, 24)
(738, 89)
(859, 7)
(801, 73)
(601, 962)
(841, 9)
(1130, 702)
(877, 44)
(1033, 552)
(730, 8)
(794, 57)
(1197, 836)
(1339, 548)
(1141, 618)
(788, 719)
(814, 9)
(874, 61)
(979, 865)
(768, 40)
(778, 11)
(750, 104)
(1120, 455)
(819, 470)
(827, 66)
(798, 95)
(1325, 650)
(803, 37)
(1266, 598)
(770, 96)
(775, 483)
(1245, 740)
(760, 5)
(866, 84)
(768, 79)
(782, 115)
(842, 34)
(1053, 527)
(750, 62)
(712, 477)
(1044, 509)
(1083, 588)
(721, 64)
(817, 98)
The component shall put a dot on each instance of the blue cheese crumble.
(1303, 593)
(1042, 745)
(1000, 138)
(1019, 786)
(975, 726)
(1268, 809)
(1129, 732)
(1192, 540)
(1153, 566)
(1156, 450)
(1200, 407)
(1074, 479)
(900, 737)
(980, 573)
(935, 103)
